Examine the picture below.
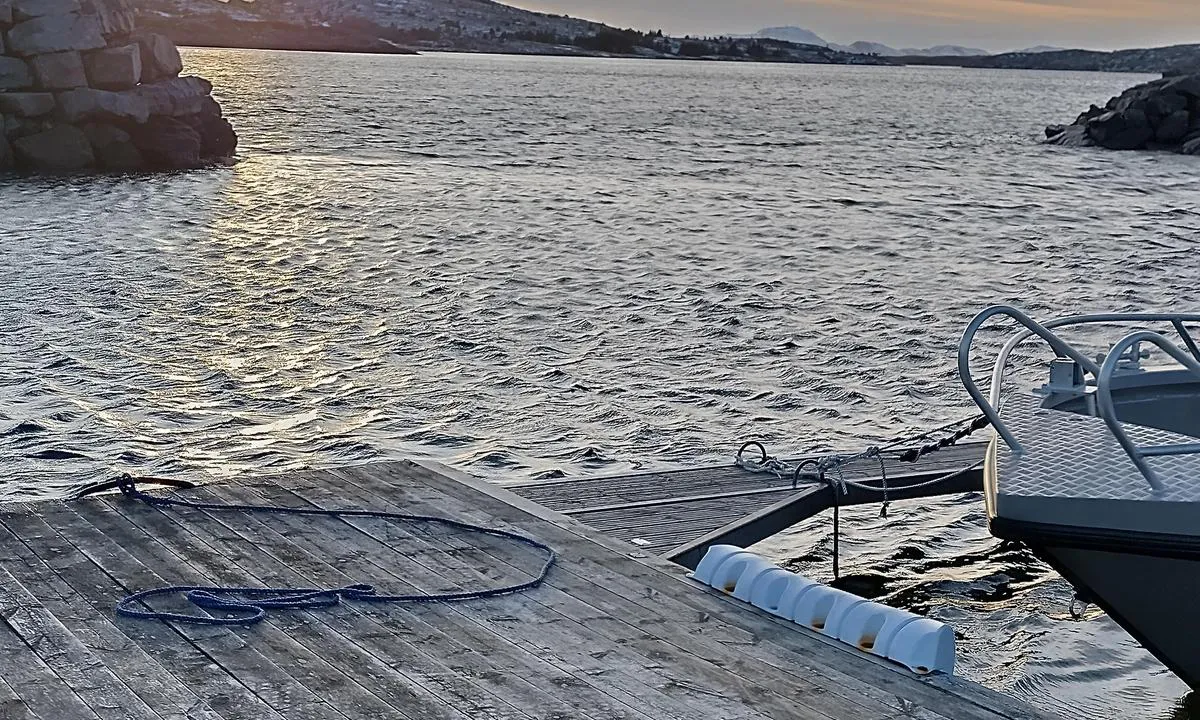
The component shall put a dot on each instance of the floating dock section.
(617, 630)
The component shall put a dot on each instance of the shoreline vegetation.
(488, 27)
(363, 37)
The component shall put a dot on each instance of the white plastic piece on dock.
(737, 574)
(822, 609)
(924, 646)
(796, 588)
(871, 627)
(768, 589)
(712, 560)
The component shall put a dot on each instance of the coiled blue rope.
(249, 605)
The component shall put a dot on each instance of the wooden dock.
(616, 632)
(678, 514)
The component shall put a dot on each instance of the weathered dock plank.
(615, 632)
(679, 513)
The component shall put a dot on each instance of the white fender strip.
(920, 644)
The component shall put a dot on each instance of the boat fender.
(797, 587)
(737, 574)
(768, 589)
(713, 558)
(823, 608)
(924, 646)
(871, 627)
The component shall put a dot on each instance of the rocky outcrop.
(1159, 115)
(81, 88)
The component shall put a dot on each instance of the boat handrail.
(1108, 412)
(988, 405)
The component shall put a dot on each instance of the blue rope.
(249, 605)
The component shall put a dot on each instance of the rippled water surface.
(533, 267)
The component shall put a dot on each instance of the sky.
(994, 25)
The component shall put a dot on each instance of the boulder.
(30, 9)
(89, 104)
(1070, 136)
(1191, 147)
(7, 161)
(58, 71)
(61, 148)
(160, 57)
(177, 96)
(169, 144)
(116, 17)
(26, 104)
(6, 13)
(1165, 104)
(217, 137)
(14, 74)
(1128, 130)
(114, 148)
(1092, 112)
(1188, 85)
(15, 127)
(118, 68)
(55, 33)
(1172, 128)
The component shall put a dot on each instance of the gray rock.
(1129, 130)
(118, 68)
(1173, 127)
(6, 13)
(61, 148)
(88, 104)
(177, 96)
(14, 74)
(59, 71)
(7, 161)
(1093, 111)
(15, 127)
(55, 33)
(116, 17)
(114, 148)
(1188, 85)
(169, 144)
(217, 136)
(1071, 136)
(26, 104)
(160, 57)
(1191, 147)
(29, 9)
(1165, 104)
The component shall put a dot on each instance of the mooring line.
(249, 605)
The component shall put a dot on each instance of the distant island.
(407, 26)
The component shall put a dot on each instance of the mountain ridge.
(868, 47)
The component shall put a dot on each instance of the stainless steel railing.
(1108, 412)
(988, 404)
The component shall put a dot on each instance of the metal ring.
(753, 443)
(820, 474)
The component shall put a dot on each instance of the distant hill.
(1141, 60)
(398, 26)
(1040, 49)
(864, 47)
(792, 34)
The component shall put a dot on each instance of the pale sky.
(995, 25)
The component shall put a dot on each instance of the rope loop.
(249, 605)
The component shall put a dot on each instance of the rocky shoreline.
(1159, 115)
(82, 89)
